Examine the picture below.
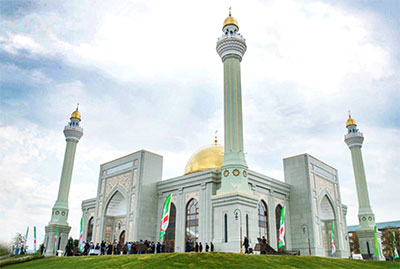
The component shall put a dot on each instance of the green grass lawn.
(201, 260)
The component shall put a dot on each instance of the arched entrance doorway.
(89, 234)
(169, 237)
(327, 218)
(115, 217)
(122, 238)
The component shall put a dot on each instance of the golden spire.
(350, 121)
(76, 114)
(230, 21)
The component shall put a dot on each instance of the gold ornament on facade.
(236, 172)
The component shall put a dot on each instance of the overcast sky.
(147, 76)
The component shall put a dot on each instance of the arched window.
(226, 227)
(263, 220)
(278, 211)
(169, 238)
(192, 221)
(89, 234)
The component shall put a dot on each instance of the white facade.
(131, 195)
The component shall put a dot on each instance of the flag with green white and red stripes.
(281, 240)
(165, 216)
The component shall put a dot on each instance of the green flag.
(395, 253)
(26, 237)
(55, 240)
(281, 239)
(165, 215)
(333, 247)
(376, 242)
(34, 239)
(81, 235)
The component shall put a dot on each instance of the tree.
(354, 243)
(390, 241)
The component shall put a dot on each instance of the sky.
(147, 76)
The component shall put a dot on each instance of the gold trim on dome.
(210, 157)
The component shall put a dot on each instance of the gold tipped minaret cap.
(350, 121)
(230, 21)
(76, 114)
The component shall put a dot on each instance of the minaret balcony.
(357, 134)
(231, 44)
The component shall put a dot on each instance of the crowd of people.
(198, 247)
(138, 247)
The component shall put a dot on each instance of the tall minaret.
(231, 47)
(73, 133)
(354, 139)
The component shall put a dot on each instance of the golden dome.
(210, 157)
(76, 114)
(230, 21)
(350, 121)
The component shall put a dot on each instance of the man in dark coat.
(187, 246)
(103, 247)
(212, 246)
(246, 244)
(207, 247)
(158, 249)
(196, 247)
(200, 247)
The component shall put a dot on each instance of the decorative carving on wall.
(324, 184)
(132, 202)
(279, 201)
(191, 195)
(123, 180)
(99, 210)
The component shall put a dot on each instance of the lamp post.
(238, 214)
(305, 228)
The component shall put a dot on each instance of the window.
(263, 220)
(247, 225)
(89, 234)
(226, 228)
(192, 221)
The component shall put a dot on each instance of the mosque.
(218, 198)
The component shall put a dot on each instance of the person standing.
(200, 247)
(212, 246)
(196, 247)
(102, 247)
(246, 245)
(207, 247)
(187, 246)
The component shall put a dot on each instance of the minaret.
(231, 47)
(354, 139)
(73, 133)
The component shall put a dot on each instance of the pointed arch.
(89, 233)
(327, 216)
(192, 221)
(263, 220)
(169, 238)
